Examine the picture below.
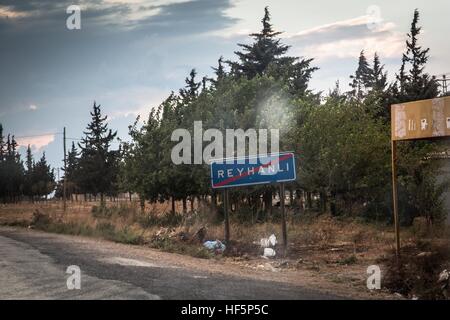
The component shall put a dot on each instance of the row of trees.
(34, 180)
(341, 139)
(93, 167)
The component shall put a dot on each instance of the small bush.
(125, 235)
(348, 260)
(40, 220)
(121, 210)
(168, 244)
(169, 219)
(101, 212)
(106, 230)
(417, 270)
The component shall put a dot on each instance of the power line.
(38, 135)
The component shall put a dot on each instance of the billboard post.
(253, 170)
(423, 119)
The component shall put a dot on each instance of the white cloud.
(137, 10)
(9, 13)
(345, 39)
(36, 142)
(33, 107)
(134, 101)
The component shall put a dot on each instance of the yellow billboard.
(422, 119)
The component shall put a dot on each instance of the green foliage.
(417, 271)
(415, 84)
(168, 219)
(98, 164)
(121, 211)
(341, 140)
(352, 259)
(335, 158)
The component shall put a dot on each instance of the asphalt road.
(33, 266)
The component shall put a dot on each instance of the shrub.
(125, 235)
(417, 270)
(169, 219)
(40, 220)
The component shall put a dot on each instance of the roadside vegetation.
(339, 208)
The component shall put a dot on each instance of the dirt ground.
(326, 253)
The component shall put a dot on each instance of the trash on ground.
(444, 276)
(200, 235)
(266, 267)
(269, 252)
(215, 245)
(444, 281)
(269, 242)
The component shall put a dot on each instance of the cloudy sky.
(129, 54)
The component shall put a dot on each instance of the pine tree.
(43, 178)
(29, 166)
(219, 71)
(401, 78)
(11, 172)
(415, 84)
(378, 98)
(266, 49)
(2, 143)
(71, 170)
(2, 164)
(379, 76)
(29, 160)
(98, 164)
(266, 56)
(362, 79)
(190, 91)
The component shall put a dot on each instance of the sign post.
(253, 170)
(227, 219)
(424, 119)
(395, 197)
(283, 217)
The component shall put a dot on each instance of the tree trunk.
(142, 203)
(184, 205)
(308, 200)
(102, 199)
(323, 202)
(173, 205)
(214, 200)
(267, 198)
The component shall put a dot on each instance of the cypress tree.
(362, 79)
(98, 164)
(415, 84)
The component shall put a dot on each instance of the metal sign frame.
(282, 156)
(416, 120)
(289, 155)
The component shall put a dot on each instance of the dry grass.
(337, 250)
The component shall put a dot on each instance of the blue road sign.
(263, 169)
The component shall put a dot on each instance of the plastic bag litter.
(269, 252)
(268, 242)
(215, 245)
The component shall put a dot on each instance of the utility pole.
(443, 84)
(395, 197)
(65, 172)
